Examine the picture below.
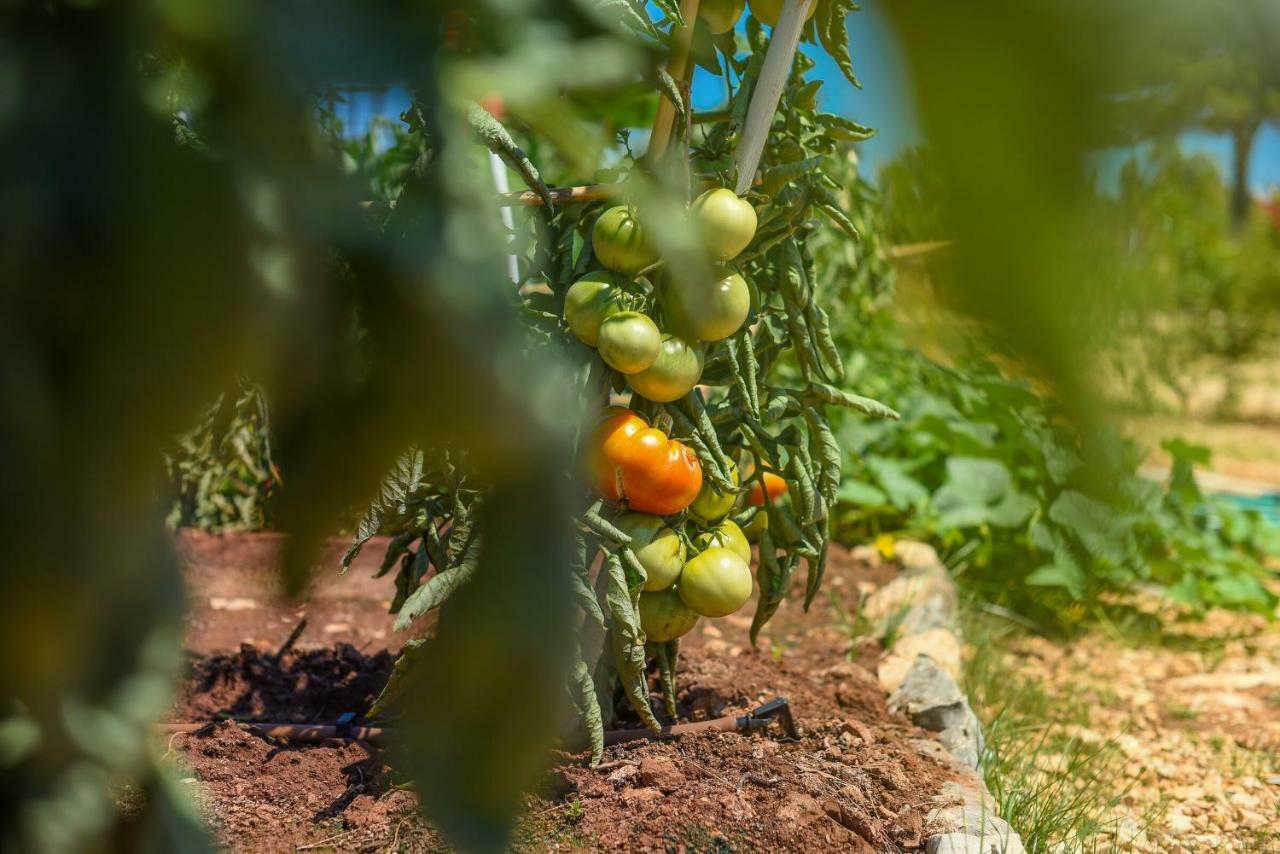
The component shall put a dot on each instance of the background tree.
(1211, 67)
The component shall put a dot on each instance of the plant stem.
(677, 67)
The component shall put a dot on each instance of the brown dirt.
(302, 686)
(857, 779)
(235, 596)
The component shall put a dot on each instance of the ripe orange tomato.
(634, 463)
(775, 485)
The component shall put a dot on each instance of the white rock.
(963, 843)
(939, 644)
(237, 603)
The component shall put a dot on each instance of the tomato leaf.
(438, 588)
(835, 36)
(838, 127)
(588, 707)
(838, 397)
(628, 642)
(399, 488)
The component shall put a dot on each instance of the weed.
(859, 628)
(855, 625)
(893, 626)
(1058, 790)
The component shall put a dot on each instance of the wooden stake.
(559, 196)
(677, 67)
(769, 86)
(564, 195)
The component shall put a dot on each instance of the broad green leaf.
(1064, 572)
(1240, 589)
(1104, 533)
(860, 494)
(900, 488)
(401, 486)
(438, 588)
(980, 492)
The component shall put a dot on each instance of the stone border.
(921, 674)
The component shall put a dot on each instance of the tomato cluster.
(664, 362)
(638, 467)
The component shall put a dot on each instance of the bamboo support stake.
(677, 67)
(773, 79)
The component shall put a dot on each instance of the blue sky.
(884, 102)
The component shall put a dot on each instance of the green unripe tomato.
(727, 535)
(664, 616)
(715, 583)
(712, 504)
(758, 523)
(619, 241)
(659, 549)
(673, 374)
(629, 342)
(725, 222)
(710, 313)
(721, 15)
(768, 11)
(588, 302)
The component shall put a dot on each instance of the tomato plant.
(684, 292)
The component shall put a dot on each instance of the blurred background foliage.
(186, 213)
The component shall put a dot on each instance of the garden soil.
(857, 779)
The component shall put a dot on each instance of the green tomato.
(727, 535)
(619, 242)
(758, 523)
(721, 15)
(725, 222)
(715, 583)
(629, 342)
(588, 302)
(710, 313)
(712, 504)
(767, 11)
(673, 374)
(664, 616)
(660, 550)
